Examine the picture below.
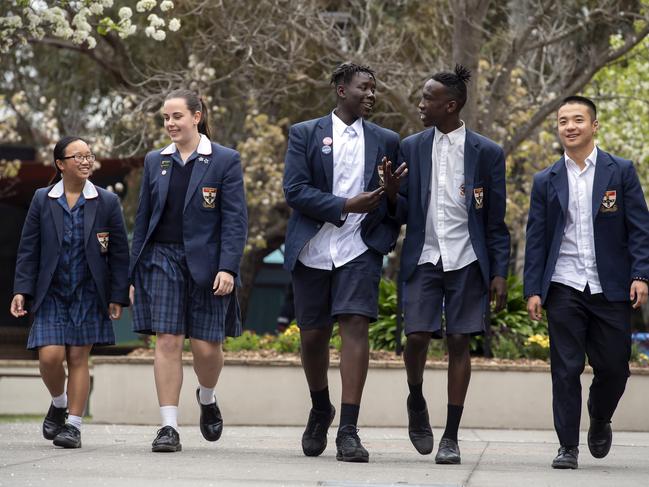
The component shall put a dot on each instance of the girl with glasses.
(72, 274)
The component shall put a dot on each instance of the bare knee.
(353, 327)
(51, 359)
(458, 346)
(77, 357)
(418, 342)
(167, 344)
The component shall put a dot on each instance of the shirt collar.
(339, 127)
(591, 160)
(456, 136)
(89, 190)
(204, 147)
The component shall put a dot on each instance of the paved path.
(118, 455)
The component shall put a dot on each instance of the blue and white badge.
(326, 149)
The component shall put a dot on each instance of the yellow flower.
(292, 330)
(542, 341)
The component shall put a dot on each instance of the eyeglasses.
(80, 158)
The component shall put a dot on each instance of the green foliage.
(248, 340)
(507, 348)
(437, 349)
(382, 333)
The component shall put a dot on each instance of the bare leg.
(168, 369)
(78, 379)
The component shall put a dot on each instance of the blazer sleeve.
(637, 223)
(234, 218)
(497, 234)
(142, 217)
(400, 210)
(118, 256)
(299, 190)
(29, 251)
(535, 247)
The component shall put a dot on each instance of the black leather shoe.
(567, 458)
(600, 437)
(68, 437)
(168, 440)
(54, 421)
(448, 452)
(314, 438)
(349, 447)
(211, 420)
(419, 430)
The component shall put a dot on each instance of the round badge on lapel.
(327, 141)
(326, 149)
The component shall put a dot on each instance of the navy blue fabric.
(41, 242)
(168, 229)
(308, 180)
(213, 238)
(71, 312)
(484, 167)
(621, 235)
(167, 300)
(322, 295)
(582, 324)
(459, 294)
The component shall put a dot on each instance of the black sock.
(453, 416)
(416, 400)
(348, 415)
(320, 400)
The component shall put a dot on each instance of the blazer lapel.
(57, 216)
(198, 171)
(325, 129)
(559, 180)
(470, 162)
(425, 166)
(603, 173)
(371, 150)
(89, 214)
(163, 180)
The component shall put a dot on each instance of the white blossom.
(174, 25)
(145, 5)
(107, 3)
(149, 31)
(166, 5)
(92, 42)
(125, 13)
(155, 21)
(159, 35)
(96, 8)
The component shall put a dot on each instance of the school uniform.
(453, 203)
(191, 223)
(587, 240)
(335, 258)
(72, 262)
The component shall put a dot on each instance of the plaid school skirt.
(167, 300)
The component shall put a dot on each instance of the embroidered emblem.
(164, 165)
(462, 193)
(209, 197)
(478, 195)
(327, 141)
(609, 202)
(326, 149)
(103, 237)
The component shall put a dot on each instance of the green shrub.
(437, 349)
(287, 341)
(503, 347)
(248, 340)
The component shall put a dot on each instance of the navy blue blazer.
(621, 227)
(308, 183)
(215, 223)
(484, 168)
(40, 246)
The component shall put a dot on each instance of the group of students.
(351, 185)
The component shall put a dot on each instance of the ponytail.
(194, 104)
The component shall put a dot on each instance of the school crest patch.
(209, 197)
(478, 196)
(102, 238)
(609, 202)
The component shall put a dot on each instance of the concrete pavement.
(117, 455)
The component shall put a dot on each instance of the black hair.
(582, 100)
(194, 104)
(59, 154)
(455, 83)
(345, 72)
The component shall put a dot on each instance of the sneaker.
(168, 440)
(68, 437)
(448, 452)
(349, 447)
(54, 421)
(567, 458)
(211, 421)
(314, 438)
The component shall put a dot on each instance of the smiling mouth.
(368, 106)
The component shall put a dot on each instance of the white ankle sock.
(169, 415)
(75, 421)
(60, 401)
(206, 395)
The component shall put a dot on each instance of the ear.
(451, 106)
(59, 164)
(595, 126)
(340, 91)
(197, 117)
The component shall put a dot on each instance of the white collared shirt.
(89, 190)
(204, 148)
(334, 246)
(447, 219)
(576, 265)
